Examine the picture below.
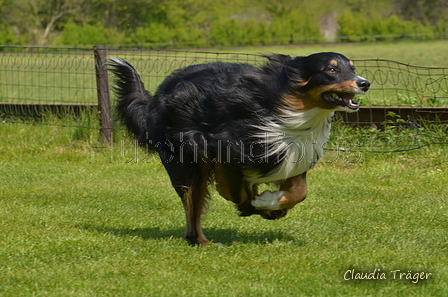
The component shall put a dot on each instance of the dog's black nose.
(363, 84)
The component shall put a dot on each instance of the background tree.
(431, 11)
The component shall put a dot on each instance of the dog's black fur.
(206, 122)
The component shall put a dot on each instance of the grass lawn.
(80, 219)
(418, 53)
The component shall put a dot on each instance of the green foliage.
(70, 34)
(352, 25)
(154, 33)
(8, 37)
(297, 26)
(225, 31)
(255, 33)
(359, 27)
(88, 34)
(206, 22)
(290, 27)
(441, 27)
(84, 34)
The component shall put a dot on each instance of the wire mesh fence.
(38, 80)
(35, 81)
(45, 85)
(154, 66)
(48, 76)
(398, 84)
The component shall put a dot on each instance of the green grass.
(418, 53)
(79, 219)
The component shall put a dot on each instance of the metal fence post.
(102, 84)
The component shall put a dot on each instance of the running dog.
(237, 126)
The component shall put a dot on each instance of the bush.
(254, 33)
(70, 34)
(88, 34)
(8, 37)
(289, 27)
(295, 27)
(441, 28)
(357, 27)
(225, 32)
(92, 34)
(154, 33)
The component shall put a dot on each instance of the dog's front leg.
(292, 191)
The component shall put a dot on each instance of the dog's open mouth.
(344, 100)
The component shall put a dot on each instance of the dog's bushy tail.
(133, 99)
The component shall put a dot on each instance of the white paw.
(268, 200)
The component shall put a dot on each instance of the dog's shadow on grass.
(224, 236)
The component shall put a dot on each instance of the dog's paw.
(273, 214)
(268, 200)
(246, 209)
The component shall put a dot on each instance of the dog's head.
(325, 80)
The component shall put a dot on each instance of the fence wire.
(66, 76)
(36, 82)
(399, 84)
(155, 66)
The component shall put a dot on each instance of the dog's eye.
(332, 70)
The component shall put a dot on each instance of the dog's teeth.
(353, 103)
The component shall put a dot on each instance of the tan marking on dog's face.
(304, 83)
(334, 63)
(351, 63)
(312, 98)
(300, 102)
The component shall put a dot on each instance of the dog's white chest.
(298, 141)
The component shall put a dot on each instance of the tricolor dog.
(236, 126)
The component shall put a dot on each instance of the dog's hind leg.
(230, 184)
(190, 180)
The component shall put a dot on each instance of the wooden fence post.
(102, 84)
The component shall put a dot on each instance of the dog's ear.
(278, 58)
(297, 72)
(294, 69)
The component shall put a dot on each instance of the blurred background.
(203, 23)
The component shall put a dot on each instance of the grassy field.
(79, 218)
(82, 219)
(418, 53)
